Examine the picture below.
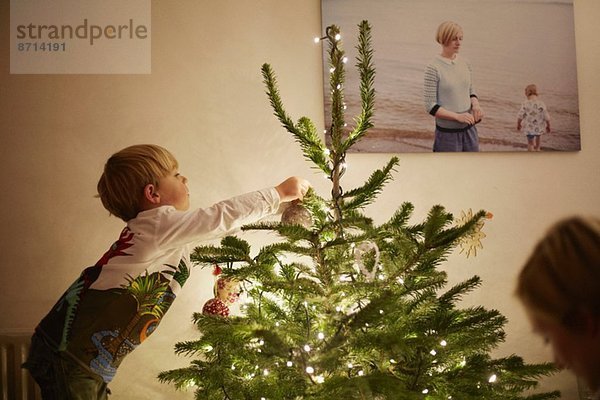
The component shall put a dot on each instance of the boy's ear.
(151, 194)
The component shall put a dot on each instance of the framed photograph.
(507, 46)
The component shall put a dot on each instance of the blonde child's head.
(531, 90)
(126, 174)
(561, 278)
(447, 31)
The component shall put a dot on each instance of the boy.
(115, 304)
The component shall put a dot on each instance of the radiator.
(15, 382)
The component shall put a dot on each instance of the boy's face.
(173, 191)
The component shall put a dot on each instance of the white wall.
(205, 101)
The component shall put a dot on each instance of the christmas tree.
(344, 308)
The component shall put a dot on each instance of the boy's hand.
(292, 188)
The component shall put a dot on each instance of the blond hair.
(126, 174)
(531, 89)
(447, 31)
(561, 278)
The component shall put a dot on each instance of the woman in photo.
(449, 96)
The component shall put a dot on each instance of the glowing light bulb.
(321, 335)
(332, 70)
(289, 363)
(425, 391)
(265, 372)
(392, 361)
(338, 36)
(319, 379)
(361, 372)
(345, 60)
(443, 343)
(306, 348)
(433, 352)
(310, 370)
(350, 365)
(317, 39)
(492, 378)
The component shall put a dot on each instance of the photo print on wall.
(507, 45)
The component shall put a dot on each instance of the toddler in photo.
(533, 118)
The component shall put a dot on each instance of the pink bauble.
(215, 307)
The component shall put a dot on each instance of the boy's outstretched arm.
(292, 188)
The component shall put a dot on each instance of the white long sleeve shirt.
(117, 303)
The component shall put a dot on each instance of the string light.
(433, 352)
(265, 372)
(321, 335)
(289, 363)
(306, 348)
(443, 343)
(338, 36)
(350, 366)
(319, 379)
(361, 372)
(425, 391)
(310, 370)
(345, 60)
(492, 378)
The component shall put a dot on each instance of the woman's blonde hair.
(447, 31)
(561, 278)
(531, 89)
(126, 174)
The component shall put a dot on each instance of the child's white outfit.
(534, 116)
(117, 303)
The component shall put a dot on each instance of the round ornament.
(215, 306)
(297, 214)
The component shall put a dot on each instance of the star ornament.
(471, 242)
